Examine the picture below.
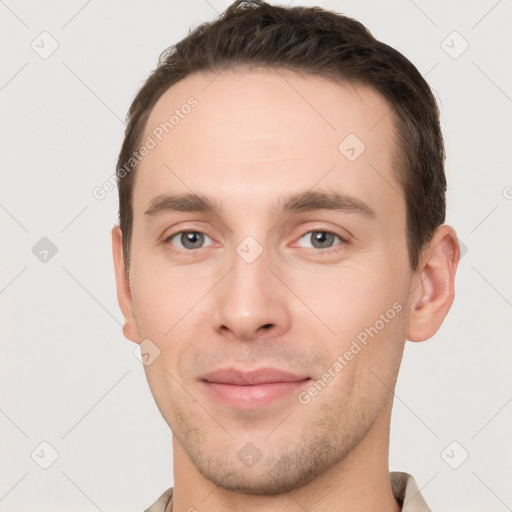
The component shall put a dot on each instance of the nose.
(251, 302)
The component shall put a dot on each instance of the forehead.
(264, 131)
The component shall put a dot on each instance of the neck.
(360, 482)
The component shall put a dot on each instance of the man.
(282, 199)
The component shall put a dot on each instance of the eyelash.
(329, 250)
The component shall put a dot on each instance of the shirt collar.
(407, 493)
(404, 488)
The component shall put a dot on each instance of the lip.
(251, 389)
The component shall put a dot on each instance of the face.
(280, 316)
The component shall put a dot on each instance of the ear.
(432, 291)
(124, 294)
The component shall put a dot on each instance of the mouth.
(251, 389)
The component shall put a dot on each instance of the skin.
(255, 136)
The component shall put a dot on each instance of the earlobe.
(433, 291)
(124, 295)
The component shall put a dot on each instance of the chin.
(270, 476)
(262, 483)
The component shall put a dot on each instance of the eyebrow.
(302, 202)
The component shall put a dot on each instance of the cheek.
(352, 297)
(163, 297)
(364, 310)
(364, 355)
(171, 309)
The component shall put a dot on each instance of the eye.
(189, 240)
(323, 239)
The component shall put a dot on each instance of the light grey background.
(67, 375)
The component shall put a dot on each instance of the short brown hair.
(318, 42)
